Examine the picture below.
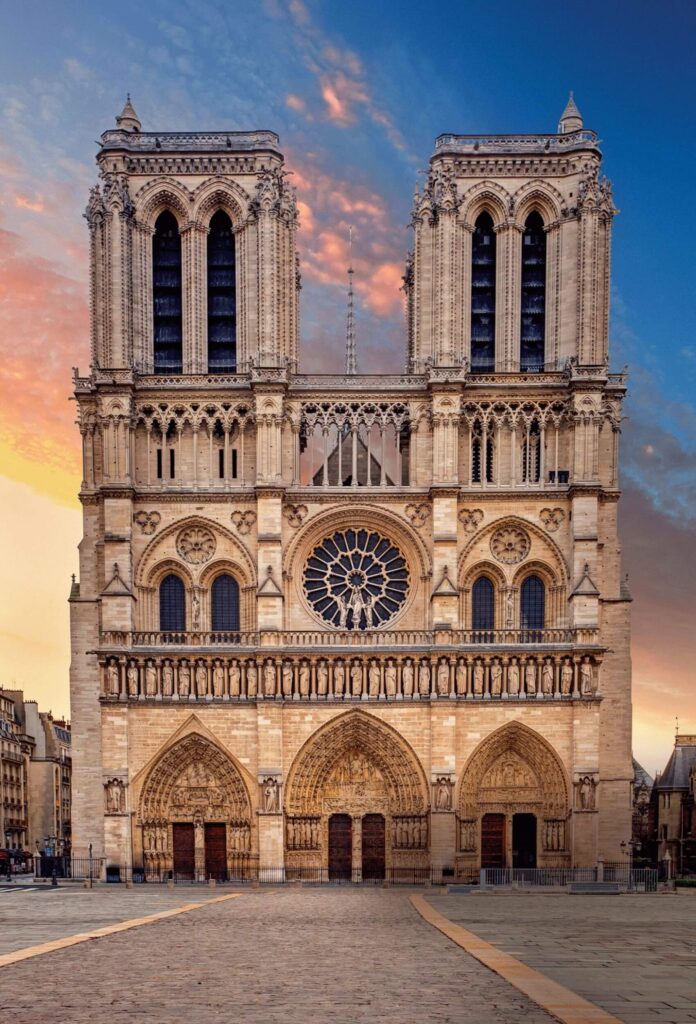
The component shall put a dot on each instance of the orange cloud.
(36, 205)
(382, 291)
(295, 102)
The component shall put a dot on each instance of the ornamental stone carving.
(552, 518)
(295, 514)
(418, 514)
(147, 521)
(243, 520)
(471, 519)
(196, 544)
(442, 793)
(115, 797)
(510, 544)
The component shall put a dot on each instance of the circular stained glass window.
(356, 579)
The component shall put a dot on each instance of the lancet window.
(483, 267)
(222, 303)
(532, 606)
(482, 454)
(531, 454)
(355, 445)
(172, 602)
(224, 601)
(166, 294)
(533, 312)
(482, 604)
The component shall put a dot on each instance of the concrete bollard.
(170, 883)
(211, 883)
(255, 883)
(87, 884)
(129, 885)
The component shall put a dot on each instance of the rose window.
(509, 544)
(356, 579)
(196, 544)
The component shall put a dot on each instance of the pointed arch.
(543, 550)
(214, 195)
(163, 546)
(163, 194)
(488, 196)
(541, 196)
(356, 730)
(536, 775)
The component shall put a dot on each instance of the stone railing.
(176, 142)
(413, 672)
(481, 144)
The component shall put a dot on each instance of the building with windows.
(15, 753)
(350, 622)
(674, 802)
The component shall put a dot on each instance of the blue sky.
(358, 92)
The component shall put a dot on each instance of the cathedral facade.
(360, 624)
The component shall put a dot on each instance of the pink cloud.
(37, 204)
(295, 102)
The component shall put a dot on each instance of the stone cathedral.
(360, 625)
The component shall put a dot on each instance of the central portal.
(373, 847)
(340, 847)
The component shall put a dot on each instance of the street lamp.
(628, 849)
(8, 837)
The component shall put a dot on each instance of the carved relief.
(554, 836)
(552, 518)
(510, 545)
(196, 544)
(115, 797)
(243, 520)
(295, 514)
(471, 519)
(418, 514)
(147, 521)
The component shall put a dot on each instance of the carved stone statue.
(509, 609)
(513, 677)
(496, 679)
(356, 679)
(150, 679)
(201, 679)
(530, 677)
(339, 678)
(374, 676)
(547, 677)
(443, 675)
(443, 795)
(586, 793)
(132, 679)
(304, 679)
(567, 676)
(390, 679)
(218, 679)
(112, 680)
(407, 678)
(322, 679)
(115, 797)
(167, 679)
(235, 677)
(269, 678)
(586, 676)
(478, 679)
(271, 802)
(252, 679)
(195, 611)
(424, 679)
(460, 677)
(287, 679)
(184, 680)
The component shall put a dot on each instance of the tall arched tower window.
(482, 604)
(172, 600)
(224, 599)
(533, 318)
(222, 299)
(166, 294)
(483, 295)
(532, 604)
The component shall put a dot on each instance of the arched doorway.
(357, 787)
(513, 803)
(195, 814)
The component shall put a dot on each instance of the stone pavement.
(346, 956)
(635, 956)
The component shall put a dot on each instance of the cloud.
(295, 103)
(36, 204)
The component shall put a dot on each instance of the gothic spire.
(571, 118)
(351, 361)
(128, 120)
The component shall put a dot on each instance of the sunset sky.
(358, 93)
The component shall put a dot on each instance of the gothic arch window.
(532, 605)
(478, 470)
(531, 455)
(533, 315)
(172, 601)
(483, 295)
(483, 604)
(222, 300)
(166, 294)
(224, 604)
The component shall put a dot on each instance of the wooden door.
(373, 847)
(493, 841)
(184, 850)
(340, 847)
(216, 852)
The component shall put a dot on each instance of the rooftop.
(682, 760)
(542, 145)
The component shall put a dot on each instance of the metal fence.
(77, 868)
(637, 879)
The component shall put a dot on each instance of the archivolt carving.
(514, 766)
(345, 747)
(215, 195)
(193, 777)
(485, 195)
(539, 195)
(163, 194)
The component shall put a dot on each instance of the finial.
(351, 361)
(127, 120)
(571, 118)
